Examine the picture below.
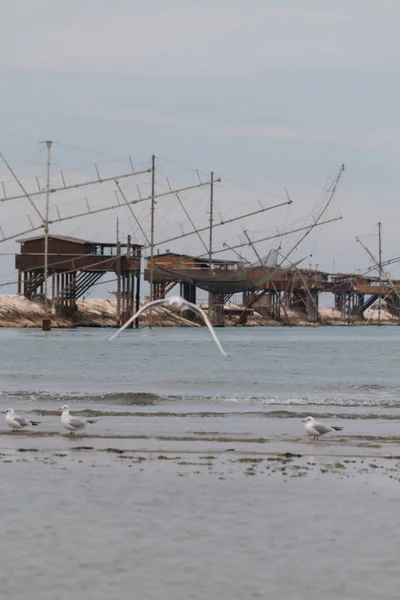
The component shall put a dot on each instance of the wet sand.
(256, 432)
(187, 512)
(97, 516)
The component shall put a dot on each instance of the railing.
(190, 265)
(68, 262)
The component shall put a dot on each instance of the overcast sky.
(267, 93)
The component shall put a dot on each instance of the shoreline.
(18, 311)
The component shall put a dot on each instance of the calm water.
(94, 524)
(286, 366)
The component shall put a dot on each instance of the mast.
(46, 227)
(153, 185)
(211, 296)
(118, 276)
(380, 273)
(225, 222)
(378, 264)
(211, 219)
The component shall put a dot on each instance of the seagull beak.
(303, 420)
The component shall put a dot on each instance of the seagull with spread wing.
(176, 304)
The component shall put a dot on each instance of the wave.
(386, 400)
(134, 398)
(363, 387)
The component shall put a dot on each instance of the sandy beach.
(126, 507)
(18, 311)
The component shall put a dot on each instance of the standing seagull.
(71, 423)
(16, 422)
(316, 429)
(176, 304)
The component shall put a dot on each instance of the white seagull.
(315, 428)
(72, 423)
(176, 304)
(16, 422)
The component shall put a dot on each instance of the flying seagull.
(16, 422)
(72, 423)
(315, 428)
(176, 304)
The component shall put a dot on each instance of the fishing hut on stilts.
(74, 266)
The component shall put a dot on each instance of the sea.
(197, 479)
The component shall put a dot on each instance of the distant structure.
(269, 290)
(74, 266)
(190, 272)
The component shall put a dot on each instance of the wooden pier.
(74, 266)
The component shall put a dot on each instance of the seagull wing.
(201, 312)
(21, 421)
(135, 316)
(321, 428)
(76, 423)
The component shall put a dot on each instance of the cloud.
(272, 92)
(352, 138)
(212, 38)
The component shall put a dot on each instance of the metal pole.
(118, 277)
(130, 279)
(211, 219)
(210, 294)
(137, 275)
(222, 223)
(253, 247)
(64, 187)
(153, 186)
(191, 222)
(380, 273)
(115, 206)
(271, 237)
(46, 227)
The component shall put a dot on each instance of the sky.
(268, 94)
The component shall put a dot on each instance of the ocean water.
(183, 488)
(343, 367)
